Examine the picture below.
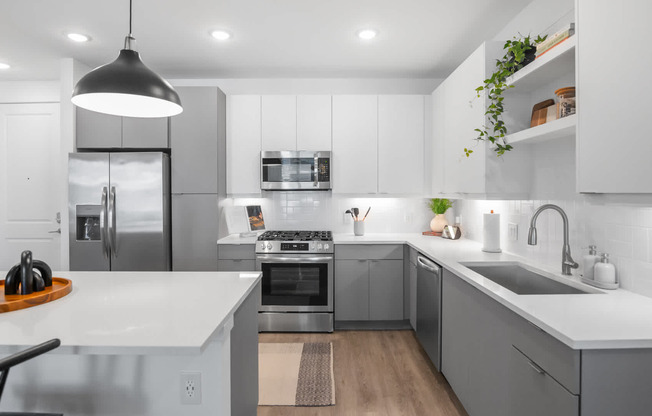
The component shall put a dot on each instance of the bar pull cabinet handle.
(535, 366)
(57, 231)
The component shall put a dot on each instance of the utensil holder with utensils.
(358, 228)
(358, 224)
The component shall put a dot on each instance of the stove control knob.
(326, 246)
(269, 246)
(312, 246)
(319, 246)
(262, 246)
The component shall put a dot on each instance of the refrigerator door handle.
(103, 221)
(112, 231)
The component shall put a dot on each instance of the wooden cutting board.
(60, 288)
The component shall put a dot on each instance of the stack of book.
(555, 40)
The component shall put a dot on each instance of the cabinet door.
(97, 130)
(613, 147)
(413, 295)
(355, 144)
(244, 356)
(279, 122)
(534, 392)
(436, 157)
(243, 144)
(193, 140)
(351, 290)
(314, 122)
(194, 232)
(400, 144)
(386, 290)
(145, 133)
(237, 265)
(464, 112)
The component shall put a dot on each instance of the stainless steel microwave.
(295, 170)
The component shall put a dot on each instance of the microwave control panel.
(324, 169)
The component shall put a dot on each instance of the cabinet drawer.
(533, 392)
(236, 265)
(369, 252)
(236, 251)
(558, 360)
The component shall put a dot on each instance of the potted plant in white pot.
(439, 206)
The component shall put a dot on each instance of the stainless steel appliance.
(295, 170)
(297, 283)
(429, 308)
(119, 211)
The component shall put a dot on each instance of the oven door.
(296, 282)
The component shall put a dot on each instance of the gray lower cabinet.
(351, 290)
(102, 131)
(236, 258)
(479, 338)
(386, 290)
(194, 140)
(534, 392)
(244, 356)
(369, 282)
(412, 286)
(194, 232)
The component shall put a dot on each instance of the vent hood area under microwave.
(292, 170)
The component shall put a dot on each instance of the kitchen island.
(127, 337)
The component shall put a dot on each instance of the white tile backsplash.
(620, 229)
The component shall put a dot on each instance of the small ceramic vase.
(438, 223)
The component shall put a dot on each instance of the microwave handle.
(316, 171)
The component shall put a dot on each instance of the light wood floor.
(376, 373)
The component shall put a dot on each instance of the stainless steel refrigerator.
(119, 211)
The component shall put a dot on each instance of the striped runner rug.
(296, 374)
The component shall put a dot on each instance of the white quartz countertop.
(132, 312)
(604, 319)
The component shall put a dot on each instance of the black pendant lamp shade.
(126, 87)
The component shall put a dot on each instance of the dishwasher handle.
(424, 263)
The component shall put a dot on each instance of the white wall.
(232, 86)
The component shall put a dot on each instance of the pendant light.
(126, 87)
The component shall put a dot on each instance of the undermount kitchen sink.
(524, 280)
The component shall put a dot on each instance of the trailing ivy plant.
(513, 60)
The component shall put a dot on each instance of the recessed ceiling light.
(78, 37)
(4, 66)
(221, 34)
(367, 34)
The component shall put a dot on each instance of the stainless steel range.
(297, 284)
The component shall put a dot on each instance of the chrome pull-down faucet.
(567, 262)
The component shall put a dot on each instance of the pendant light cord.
(130, 12)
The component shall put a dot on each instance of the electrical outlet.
(190, 388)
(408, 217)
(512, 231)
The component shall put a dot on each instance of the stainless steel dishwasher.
(429, 308)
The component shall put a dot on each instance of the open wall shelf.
(553, 64)
(555, 129)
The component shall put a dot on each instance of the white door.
(314, 122)
(279, 122)
(29, 175)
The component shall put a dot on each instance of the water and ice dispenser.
(88, 222)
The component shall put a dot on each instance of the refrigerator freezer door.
(139, 211)
(89, 178)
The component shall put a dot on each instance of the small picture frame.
(255, 218)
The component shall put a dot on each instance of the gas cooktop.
(295, 242)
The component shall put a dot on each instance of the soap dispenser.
(605, 272)
(589, 261)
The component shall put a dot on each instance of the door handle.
(425, 264)
(113, 243)
(316, 168)
(57, 231)
(103, 224)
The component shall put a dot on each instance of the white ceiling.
(271, 38)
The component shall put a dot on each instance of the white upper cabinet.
(457, 111)
(613, 142)
(400, 144)
(243, 143)
(314, 122)
(355, 139)
(279, 122)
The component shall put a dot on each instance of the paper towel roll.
(491, 233)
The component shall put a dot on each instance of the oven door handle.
(294, 259)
